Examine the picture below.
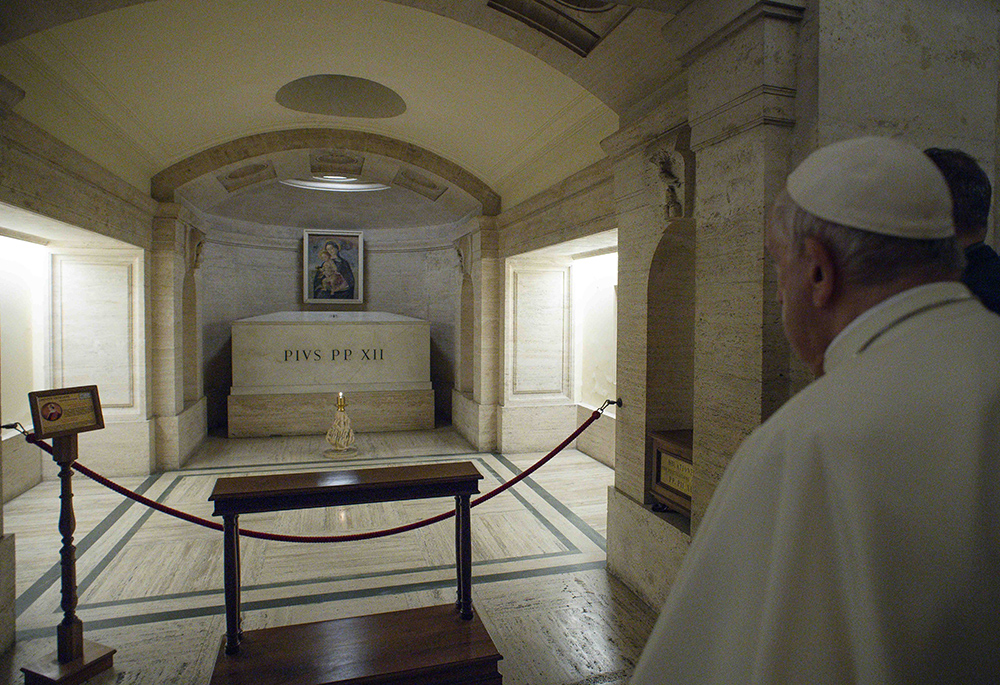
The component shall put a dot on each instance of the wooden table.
(279, 492)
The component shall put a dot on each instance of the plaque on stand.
(61, 415)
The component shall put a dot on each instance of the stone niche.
(289, 369)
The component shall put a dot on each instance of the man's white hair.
(864, 258)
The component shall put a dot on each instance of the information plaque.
(65, 411)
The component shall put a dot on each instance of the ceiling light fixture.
(334, 182)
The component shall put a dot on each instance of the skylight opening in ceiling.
(340, 96)
(336, 183)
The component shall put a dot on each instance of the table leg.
(465, 557)
(458, 550)
(231, 573)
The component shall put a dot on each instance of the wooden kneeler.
(440, 645)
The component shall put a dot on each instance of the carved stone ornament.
(195, 243)
(464, 248)
(674, 165)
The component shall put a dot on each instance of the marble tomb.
(289, 368)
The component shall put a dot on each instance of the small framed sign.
(65, 411)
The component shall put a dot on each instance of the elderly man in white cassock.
(855, 536)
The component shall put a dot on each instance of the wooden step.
(425, 646)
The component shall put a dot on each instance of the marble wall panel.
(643, 548)
(22, 467)
(534, 428)
(598, 441)
(539, 333)
(100, 307)
(94, 325)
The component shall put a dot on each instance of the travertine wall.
(100, 336)
(537, 407)
(766, 83)
(41, 175)
(639, 541)
(106, 319)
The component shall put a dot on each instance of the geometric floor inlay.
(151, 585)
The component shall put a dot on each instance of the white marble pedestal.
(289, 367)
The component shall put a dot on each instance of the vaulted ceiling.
(459, 107)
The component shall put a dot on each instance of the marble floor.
(151, 586)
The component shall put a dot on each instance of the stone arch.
(166, 182)
(670, 330)
(467, 341)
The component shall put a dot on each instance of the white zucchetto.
(875, 184)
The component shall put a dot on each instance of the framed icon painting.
(332, 267)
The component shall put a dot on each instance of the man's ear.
(822, 272)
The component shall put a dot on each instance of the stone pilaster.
(736, 92)
(653, 193)
(474, 410)
(742, 88)
(177, 397)
(653, 190)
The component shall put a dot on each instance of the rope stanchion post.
(70, 629)
(76, 659)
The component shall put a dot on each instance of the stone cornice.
(702, 26)
(56, 181)
(662, 120)
(580, 183)
(764, 105)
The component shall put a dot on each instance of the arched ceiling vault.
(162, 92)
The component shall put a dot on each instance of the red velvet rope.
(322, 538)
